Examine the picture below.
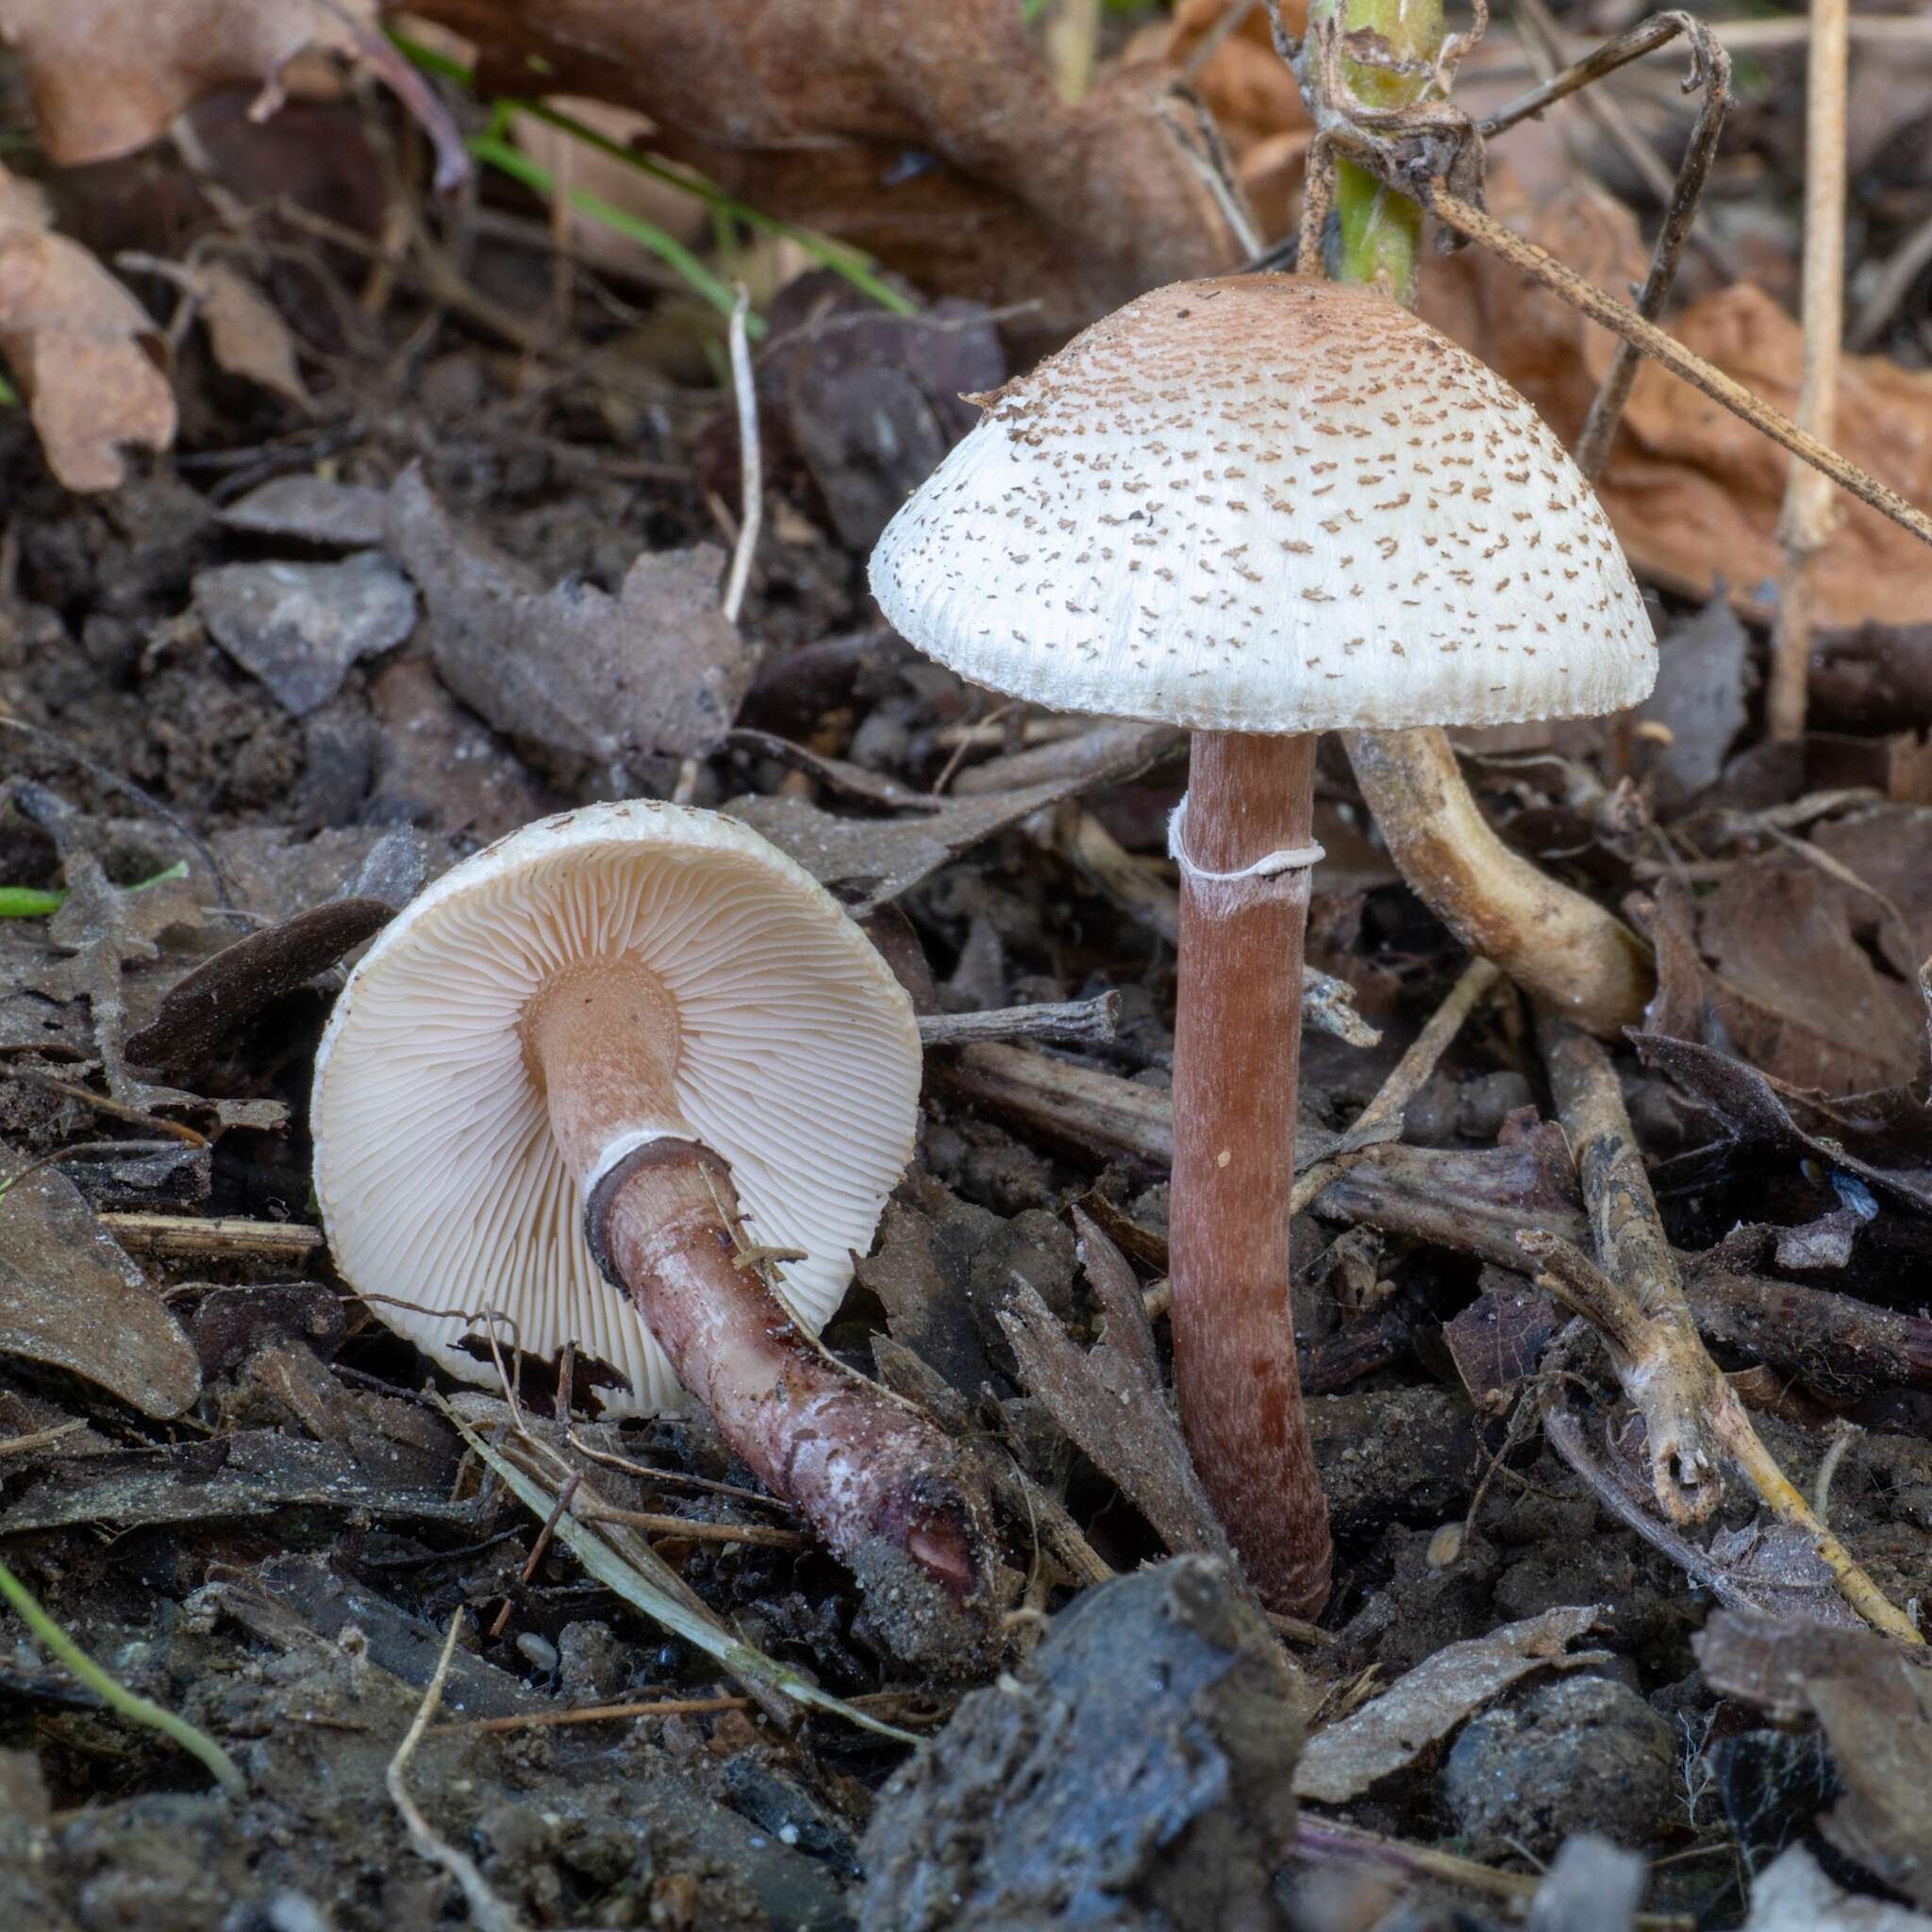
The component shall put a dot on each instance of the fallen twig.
(182, 1237)
(1694, 1420)
(1327, 1841)
(1067, 1022)
(617, 1573)
(1466, 218)
(1381, 1120)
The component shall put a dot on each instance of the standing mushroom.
(1261, 506)
(588, 1052)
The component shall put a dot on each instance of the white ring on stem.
(1289, 858)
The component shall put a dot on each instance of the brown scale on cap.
(1297, 460)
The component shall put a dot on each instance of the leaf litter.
(450, 557)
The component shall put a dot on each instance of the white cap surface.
(1272, 504)
(798, 1062)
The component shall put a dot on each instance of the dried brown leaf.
(1497, 1339)
(85, 354)
(207, 1005)
(1785, 985)
(1694, 491)
(1101, 1398)
(246, 336)
(108, 76)
(869, 862)
(1876, 1706)
(1425, 1705)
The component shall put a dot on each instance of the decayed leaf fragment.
(108, 76)
(1875, 1707)
(1345, 1759)
(85, 353)
(71, 1297)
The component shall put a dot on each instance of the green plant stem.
(854, 264)
(30, 902)
(1381, 231)
(512, 162)
(118, 1697)
(37, 902)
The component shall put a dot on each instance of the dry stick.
(1539, 263)
(182, 1237)
(1895, 277)
(1810, 513)
(1604, 110)
(1068, 1023)
(592, 1714)
(486, 1910)
(1635, 1301)
(1328, 1841)
(1710, 68)
(689, 1530)
(537, 1549)
(1404, 1082)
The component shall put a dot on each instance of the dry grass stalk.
(1809, 510)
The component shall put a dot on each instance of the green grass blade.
(610, 1570)
(854, 264)
(137, 1710)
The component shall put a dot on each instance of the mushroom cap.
(1270, 504)
(438, 1178)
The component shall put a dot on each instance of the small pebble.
(536, 1650)
(1583, 1753)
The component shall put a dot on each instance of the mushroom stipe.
(595, 1054)
(1261, 506)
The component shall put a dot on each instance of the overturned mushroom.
(593, 1051)
(1261, 506)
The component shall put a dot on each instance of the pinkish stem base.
(887, 1492)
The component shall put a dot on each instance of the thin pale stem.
(1809, 508)
(1556, 943)
(1237, 1055)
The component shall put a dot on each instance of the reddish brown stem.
(890, 1493)
(1236, 1056)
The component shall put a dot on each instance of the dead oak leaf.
(86, 354)
(1345, 1759)
(72, 1298)
(1769, 967)
(108, 76)
(1694, 491)
(246, 336)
